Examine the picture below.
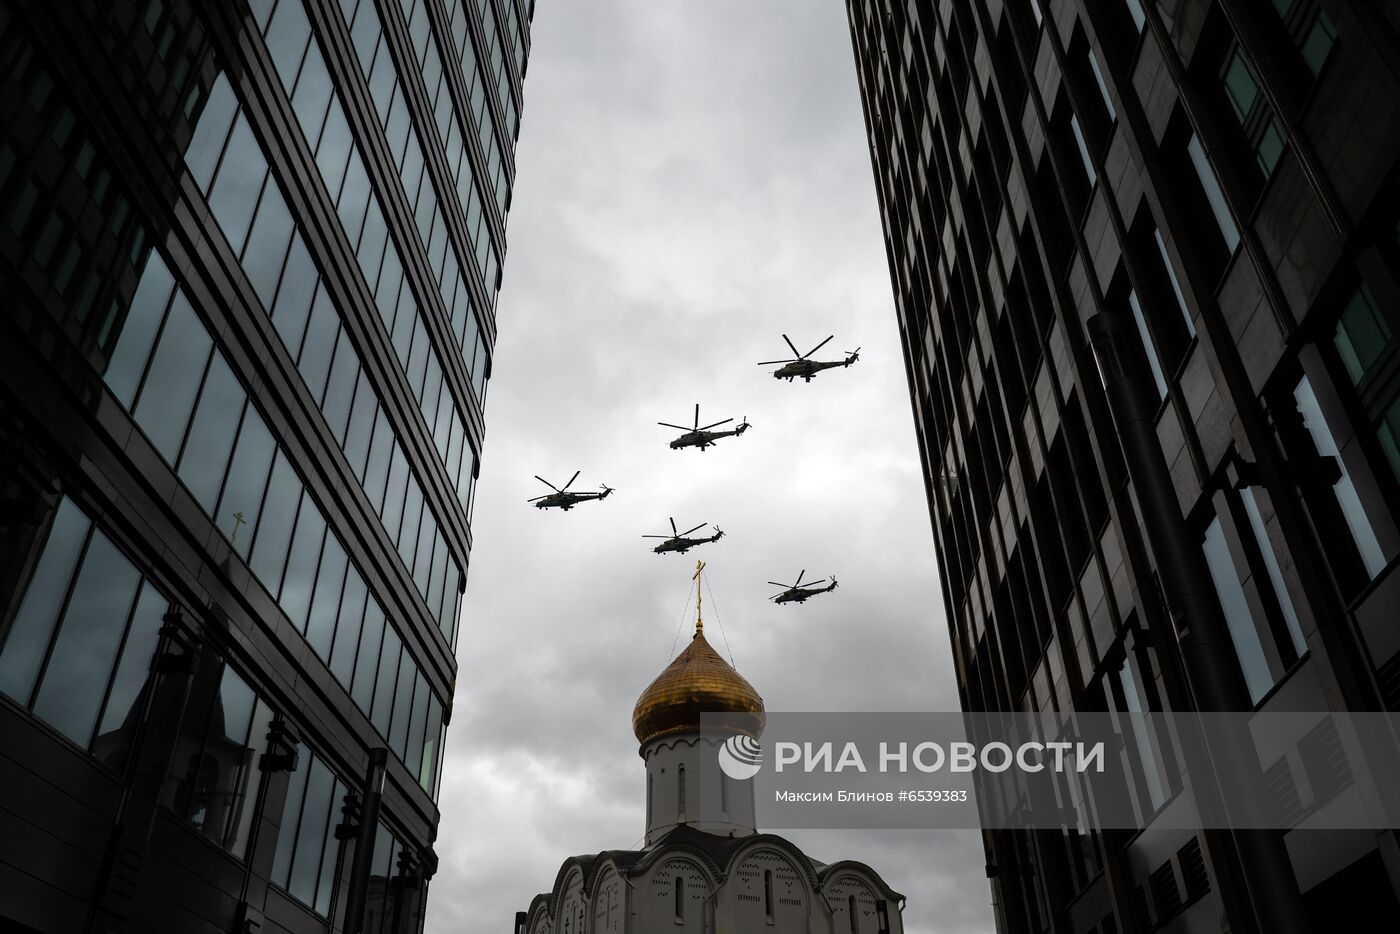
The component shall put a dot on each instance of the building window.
(1176, 286)
(851, 915)
(304, 864)
(680, 790)
(214, 776)
(768, 894)
(1214, 196)
(1153, 362)
(1135, 11)
(680, 898)
(650, 782)
(1354, 514)
(1083, 148)
(723, 793)
(1275, 572)
(1311, 31)
(1131, 692)
(1370, 355)
(1103, 87)
(1252, 111)
(77, 650)
(1244, 632)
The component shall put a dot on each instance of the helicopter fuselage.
(802, 594)
(681, 545)
(567, 501)
(809, 368)
(703, 439)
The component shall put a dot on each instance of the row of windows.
(280, 267)
(295, 54)
(307, 865)
(301, 66)
(319, 112)
(79, 654)
(58, 198)
(168, 373)
(500, 77)
(435, 80)
(77, 651)
(165, 369)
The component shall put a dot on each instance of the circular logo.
(740, 757)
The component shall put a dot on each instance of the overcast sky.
(693, 181)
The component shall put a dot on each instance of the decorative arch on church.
(860, 899)
(674, 896)
(608, 899)
(852, 900)
(773, 885)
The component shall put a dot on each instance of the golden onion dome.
(697, 682)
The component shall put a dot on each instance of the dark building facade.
(1146, 268)
(249, 259)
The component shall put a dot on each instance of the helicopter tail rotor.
(742, 427)
(606, 491)
(852, 356)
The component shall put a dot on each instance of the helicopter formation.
(702, 438)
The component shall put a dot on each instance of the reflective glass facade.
(250, 253)
(1205, 180)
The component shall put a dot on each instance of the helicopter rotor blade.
(799, 578)
(688, 531)
(673, 526)
(813, 583)
(571, 480)
(677, 427)
(659, 536)
(697, 417)
(819, 346)
(547, 483)
(794, 349)
(715, 425)
(771, 362)
(534, 498)
(776, 584)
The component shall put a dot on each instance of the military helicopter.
(697, 437)
(800, 592)
(801, 366)
(678, 542)
(562, 498)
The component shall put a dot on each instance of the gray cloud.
(693, 180)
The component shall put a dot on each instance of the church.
(705, 867)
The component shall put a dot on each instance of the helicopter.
(703, 437)
(678, 542)
(801, 366)
(564, 499)
(800, 592)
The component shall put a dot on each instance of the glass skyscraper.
(1147, 274)
(250, 256)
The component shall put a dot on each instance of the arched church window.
(723, 792)
(768, 893)
(680, 780)
(650, 782)
(851, 913)
(680, 897)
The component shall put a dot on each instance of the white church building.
(705, 867)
